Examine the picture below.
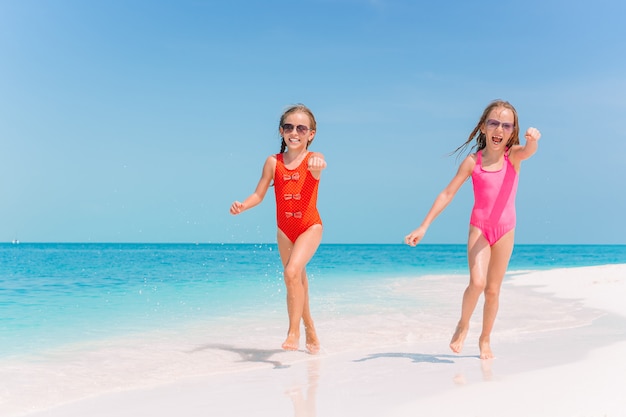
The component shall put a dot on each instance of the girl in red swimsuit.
(494, 170)
(295, 173)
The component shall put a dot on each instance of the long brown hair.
(481, 139)
(295, 109)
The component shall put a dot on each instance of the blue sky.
(141, 121)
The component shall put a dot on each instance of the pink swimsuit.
(296, 198)
(494, 199)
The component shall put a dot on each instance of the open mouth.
(496, 139)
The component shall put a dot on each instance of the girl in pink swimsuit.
(295, 173)
(494, 169)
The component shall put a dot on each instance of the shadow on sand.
(247, 354)
(459, 378)
(415, 357)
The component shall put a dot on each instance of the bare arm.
(316, 164)
(520, 153)
(443, 199)
(261, 189)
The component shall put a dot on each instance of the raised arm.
(522, 152)
(443, 199)
(316, 164)
(261, 189)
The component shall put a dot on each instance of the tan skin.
(294, 255)
(487, 264)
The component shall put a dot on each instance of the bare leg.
(500, 255)
(478, 254)
(295, 256)
(312, 342)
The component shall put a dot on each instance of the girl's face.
(498, 128)
(296, 131)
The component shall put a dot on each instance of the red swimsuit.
(296, 198)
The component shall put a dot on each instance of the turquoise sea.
(57, 295)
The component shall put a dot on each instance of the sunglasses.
(288, 127)
(494, 124)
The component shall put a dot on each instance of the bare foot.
(458, 338)
(485, 349)
(312, 342)
(292, 342)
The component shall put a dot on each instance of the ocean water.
(58, 295)
(82, 320)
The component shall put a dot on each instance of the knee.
(477, 286)
(492, 293)
(291, 274)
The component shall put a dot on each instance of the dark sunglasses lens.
(287, 127)
(302, 129)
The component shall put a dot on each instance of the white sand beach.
(560, 342)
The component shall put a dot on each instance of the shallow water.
(54, 295)
(79, 320)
